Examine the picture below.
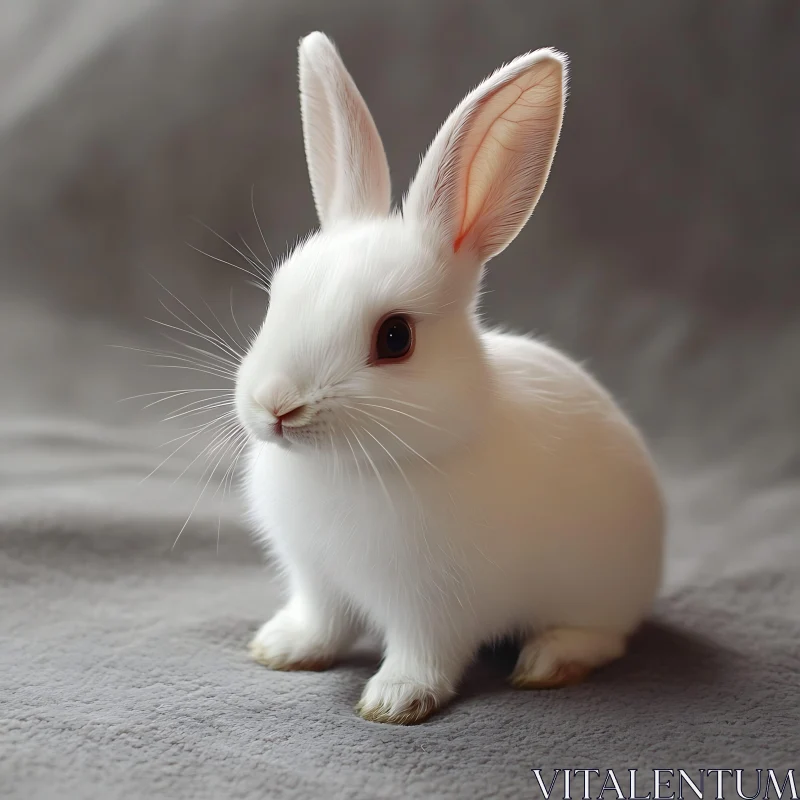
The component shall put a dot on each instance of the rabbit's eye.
(394, 339)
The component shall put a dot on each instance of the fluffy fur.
(487, 485)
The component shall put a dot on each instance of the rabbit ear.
(486, 169)
(346, 161)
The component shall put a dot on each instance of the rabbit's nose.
(288, 419)
(294, 415)
(285, 408)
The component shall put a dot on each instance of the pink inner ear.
(484, 132)
(506, 145)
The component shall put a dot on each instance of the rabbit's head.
(371, 343)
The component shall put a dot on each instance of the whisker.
(245, 341)
(216, 374)
(211, 331)
(234, 248)
(169, 394)
(394, 460)
(206, 400)
(261, 263)
(220, 438)
(335, 456)
(405, 414)
(213, 339)
(176, 356)
(199, 428)
(182, 358)
(374, 469)
(190, 331)
(198, 410)
(197, 502)
(179, 362)
(221, 361)
(230, 472)
(220, 358)
(259, 279)
(224, 329)
(240, 441)
(399, 439)
(244, 440)
(391, 400)
(188, 432)
(181, 446)
(355, 459)
(258, 224)
(228, 354)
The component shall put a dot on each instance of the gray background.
(664, 253)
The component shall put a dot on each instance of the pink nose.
(286, 418)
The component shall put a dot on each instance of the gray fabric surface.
(664, 253)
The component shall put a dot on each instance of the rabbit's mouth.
(286, 431)
(289, 436)
(285, 422)
(282, 434)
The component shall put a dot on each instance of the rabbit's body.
(445, 484)
(552, 522)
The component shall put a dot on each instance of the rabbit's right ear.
(346, 160)
(486, 169)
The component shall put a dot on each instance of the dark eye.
(395, 338)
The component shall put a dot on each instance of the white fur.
(487, 485)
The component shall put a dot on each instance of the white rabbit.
(412, 471)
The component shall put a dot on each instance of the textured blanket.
(664, 254)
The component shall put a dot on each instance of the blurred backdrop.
(664, 252)
(676, 177)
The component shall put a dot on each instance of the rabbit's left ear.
(346, 160)
(487, 167)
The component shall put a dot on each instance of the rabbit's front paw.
(286, 643)
(413, 682)
(399, 701)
